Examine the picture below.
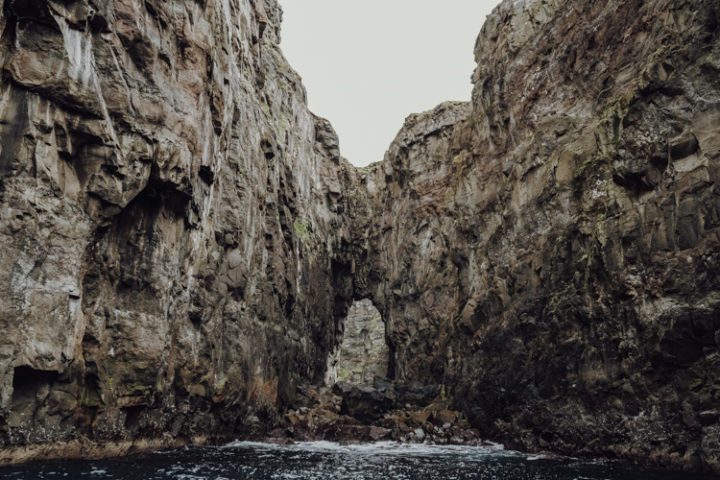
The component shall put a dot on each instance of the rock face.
(182, 241)
(550, 251)
(363, 353)
(370, 401)
(171, 213)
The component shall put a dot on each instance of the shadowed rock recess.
(181, 240)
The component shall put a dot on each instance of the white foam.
(381, 448)
(533, 458)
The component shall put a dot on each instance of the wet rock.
(446, 417)
(546, 251)
(360, 433)
(163, 212)
(416, 394)
(710, 447)
(367, 403)
(379, 433)
(370, 402)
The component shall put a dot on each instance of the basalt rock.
(182, 242)
(366, 402)
(372, 412)
(549, 252)
(369, 402)
(170, 215)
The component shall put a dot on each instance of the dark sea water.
(322, 460)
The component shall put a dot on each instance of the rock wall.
(181, 238)
(170, 214)
(550, 251)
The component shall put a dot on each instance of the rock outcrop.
(171, 214)
(182, 240)
(550, 251)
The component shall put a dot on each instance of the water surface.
(329, 461)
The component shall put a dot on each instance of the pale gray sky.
(367, 64)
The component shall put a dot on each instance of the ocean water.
(331, 461)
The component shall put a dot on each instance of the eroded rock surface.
(550, 251)
(170, 216)
(181, 240)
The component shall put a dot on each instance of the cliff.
(550, 251)
(182, 240)
(171, 212)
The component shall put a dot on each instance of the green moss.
(303, 230)
(136, 390)
(90, 398)
(612, 123)
(608, 134)
(266, 108)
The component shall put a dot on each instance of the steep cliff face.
(550, 252)
(182, 241)
(170, 215)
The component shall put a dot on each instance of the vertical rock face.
(181, 240)
(550, 252)
(363, 352)
(170, 215)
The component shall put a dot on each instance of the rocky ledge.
(383, 410)
(184, 247)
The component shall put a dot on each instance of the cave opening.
(29, 382)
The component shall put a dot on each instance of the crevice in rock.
(11, 132)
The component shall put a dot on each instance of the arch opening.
(363, 352)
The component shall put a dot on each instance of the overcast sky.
(367, 64)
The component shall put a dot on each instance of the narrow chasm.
(188, 259)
